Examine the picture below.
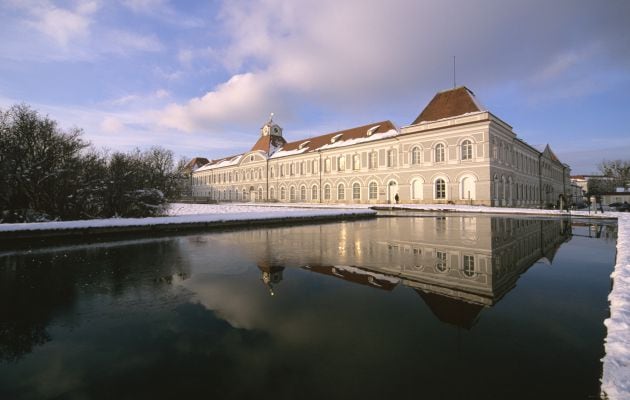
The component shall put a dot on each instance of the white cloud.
(346, 55)
(238, 99)
(60, 24)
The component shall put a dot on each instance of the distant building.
(455, 151)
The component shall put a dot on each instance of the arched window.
(439, 153)
(373, 191)
(292, 193)
(416, 154)
(283, 193)
(467, 149)
(341, 192)
(272, 194)
(327, 192)
(356, 162)
(416, 189)
(469, 266)
(244, 195)
(356, 191)
(440, 189)
(314, 192)
(341, 163)
(303, 193)
(260, 194)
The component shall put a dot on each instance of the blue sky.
(200, 78)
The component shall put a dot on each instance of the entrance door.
(392, 191)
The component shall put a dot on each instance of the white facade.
(472, 158)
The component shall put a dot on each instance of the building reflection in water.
(271, 275)
(458, 265)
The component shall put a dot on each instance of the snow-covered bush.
(47, 174)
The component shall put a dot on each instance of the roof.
(357, 275)
(268, 144)
(452, 311)
(450, 103)
(222, 162)
(359, 134)
(195, 163)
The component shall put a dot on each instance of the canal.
(423, 306)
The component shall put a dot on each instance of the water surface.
(426, 307)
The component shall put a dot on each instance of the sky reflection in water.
(450, 307)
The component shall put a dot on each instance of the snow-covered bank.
(616, 373)
(181, 216)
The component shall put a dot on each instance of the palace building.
(455, 151)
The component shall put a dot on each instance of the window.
(373, 160)
(315, 164)
(467, 150)
(327, 165)
(390, 158)
(341, 163)
(440, 261)
(440, 189)
(282, 170)
(283, 193)
(244, 195)
(260, 194)
(415, 155)
(356, 191)
(302, 167)
(356, 162)
(314, 193)
(469, 266)
(303, 193)
(271, 194)
(439, 153)
(271, 172)
(292, 193)
(327, 192)
(373, 191)
(291, 169)
(341, 192)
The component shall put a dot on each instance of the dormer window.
(304, 144)
(373, 129)
(336, 137)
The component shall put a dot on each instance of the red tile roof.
(268, 144)
(449, 103)
(359, 132)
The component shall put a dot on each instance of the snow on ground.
(189, 213)
(616, 373)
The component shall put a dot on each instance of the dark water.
(412, 307)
